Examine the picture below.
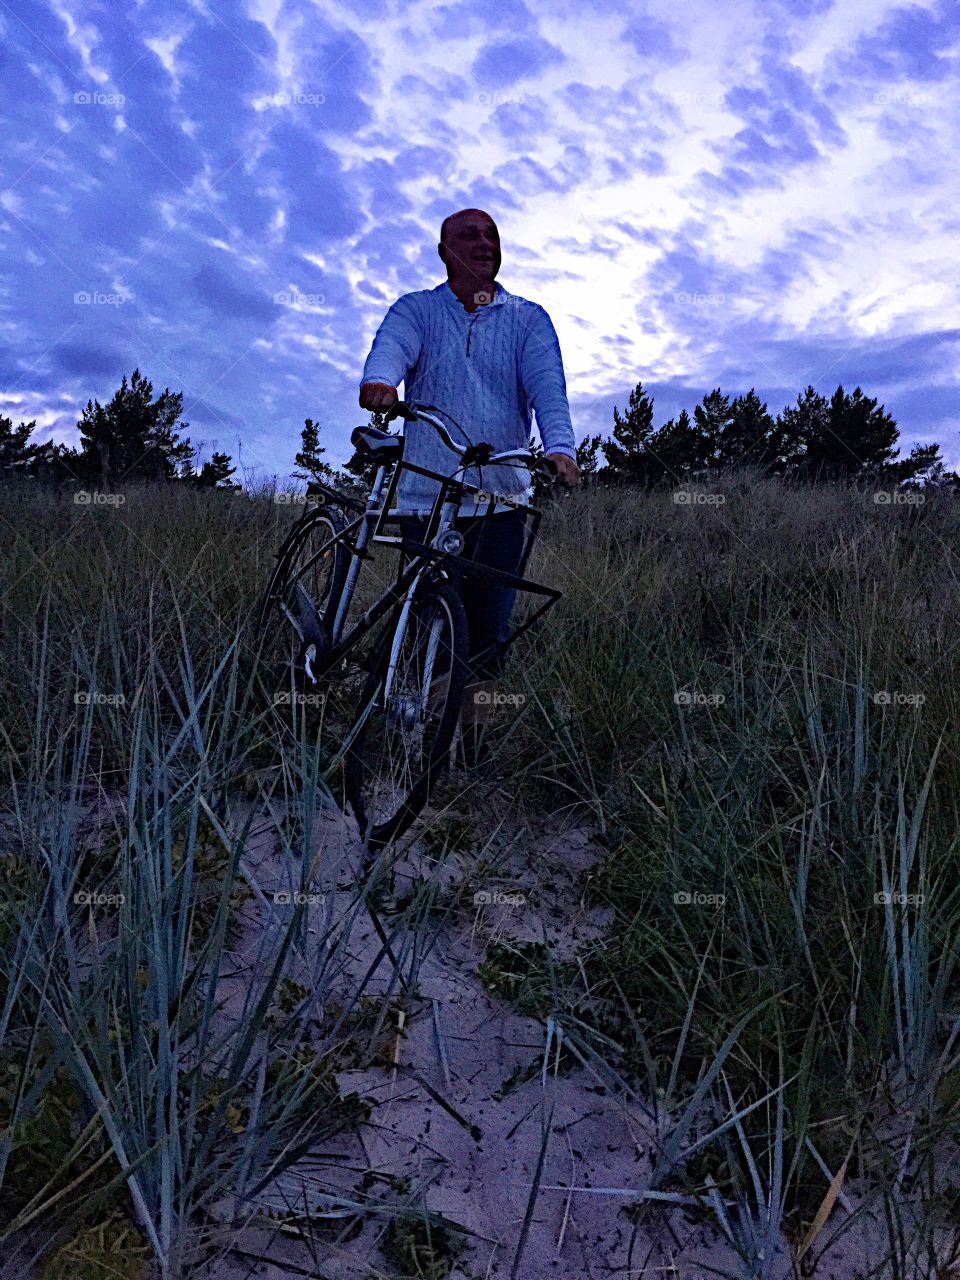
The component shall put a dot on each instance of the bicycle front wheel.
(407, 715)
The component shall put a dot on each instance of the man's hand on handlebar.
(568, 473)
(377, 396)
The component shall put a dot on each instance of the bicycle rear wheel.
(402, 733)
(297, 607)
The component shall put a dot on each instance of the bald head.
(470, 247)
(452, 218)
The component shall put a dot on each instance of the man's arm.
(396, 348)
(541, 372)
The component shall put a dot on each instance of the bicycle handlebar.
(400, 409)
(415, 413)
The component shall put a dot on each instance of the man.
(488, 357)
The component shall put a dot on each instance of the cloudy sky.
(229, 196)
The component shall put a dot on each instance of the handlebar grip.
(399, 409)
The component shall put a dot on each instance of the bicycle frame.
(425, 560)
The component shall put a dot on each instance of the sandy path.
(478, 1171)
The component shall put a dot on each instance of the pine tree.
(133, 437)
(587, 459)
(855, 436)
(216, 473)
(750, 438)
(625, 453)
(676, 451)
(714, 422)
(16, 452)
(924, 466)
(796, 426)
(310, 457)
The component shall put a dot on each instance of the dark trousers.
(497, 542)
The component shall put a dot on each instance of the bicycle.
(407, 714)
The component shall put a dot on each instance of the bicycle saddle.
(380, 445)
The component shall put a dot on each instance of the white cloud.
(165, 49)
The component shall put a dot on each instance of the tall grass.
(705, 698)
(757, 702)
(146, 1087)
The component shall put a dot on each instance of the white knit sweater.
(488, 368)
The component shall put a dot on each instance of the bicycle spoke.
(409, 726)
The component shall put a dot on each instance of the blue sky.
(763, 193)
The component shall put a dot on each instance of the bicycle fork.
(409, 710)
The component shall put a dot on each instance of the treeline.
(132, 438)
(849, 436)
(816, 439)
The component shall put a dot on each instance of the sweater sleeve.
(541, 372)
(396, 345)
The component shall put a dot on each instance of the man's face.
(471, 246)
